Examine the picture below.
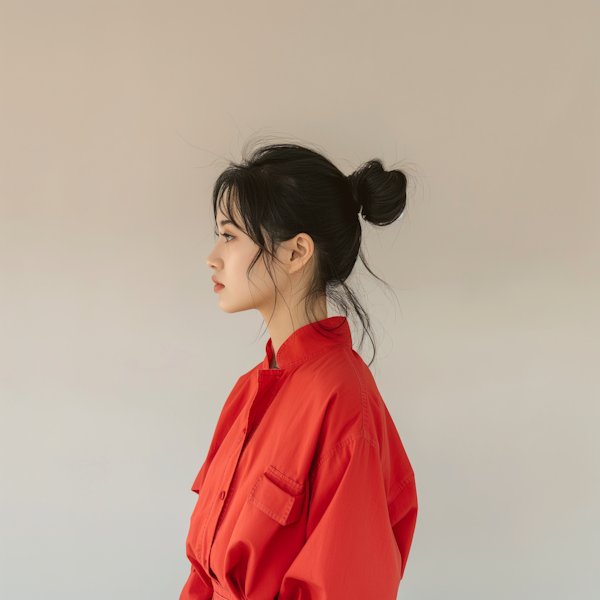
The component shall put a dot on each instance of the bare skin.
(230, 259)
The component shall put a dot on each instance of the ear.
(302, 248)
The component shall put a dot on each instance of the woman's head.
(295, 230)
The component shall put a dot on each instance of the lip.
(216, 281)
(218, 287)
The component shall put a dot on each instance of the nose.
(211, 259)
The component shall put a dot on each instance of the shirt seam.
(400, 486)
(363, 399)
(395, 490)
(362, 433)
(334, 450)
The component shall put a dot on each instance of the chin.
(231, 309)
(225, 308)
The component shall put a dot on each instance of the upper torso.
(275, 429)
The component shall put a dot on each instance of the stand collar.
(309, 341)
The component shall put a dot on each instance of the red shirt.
(306, 491)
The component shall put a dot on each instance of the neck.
(281, 327)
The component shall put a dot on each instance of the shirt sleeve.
(358, 539)
(195, 588)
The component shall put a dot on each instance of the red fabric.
(306, 491)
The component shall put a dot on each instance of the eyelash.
(226, 235)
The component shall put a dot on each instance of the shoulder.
(356, 413)
(354, 407)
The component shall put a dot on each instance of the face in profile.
(229, 260)
(232, 255)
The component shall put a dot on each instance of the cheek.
(237, 268)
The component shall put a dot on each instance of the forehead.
(222, 219)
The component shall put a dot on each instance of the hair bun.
(381, 194)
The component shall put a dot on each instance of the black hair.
(284, 189)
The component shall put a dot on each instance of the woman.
(306, 491)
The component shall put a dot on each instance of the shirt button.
(222, 495)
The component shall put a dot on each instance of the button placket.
(269, 390)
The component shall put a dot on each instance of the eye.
(226, 235)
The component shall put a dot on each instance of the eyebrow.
(225, 222)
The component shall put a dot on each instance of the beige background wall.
(115, 359)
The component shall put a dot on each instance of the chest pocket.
(278, 496)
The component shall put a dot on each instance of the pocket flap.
(276, 502)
